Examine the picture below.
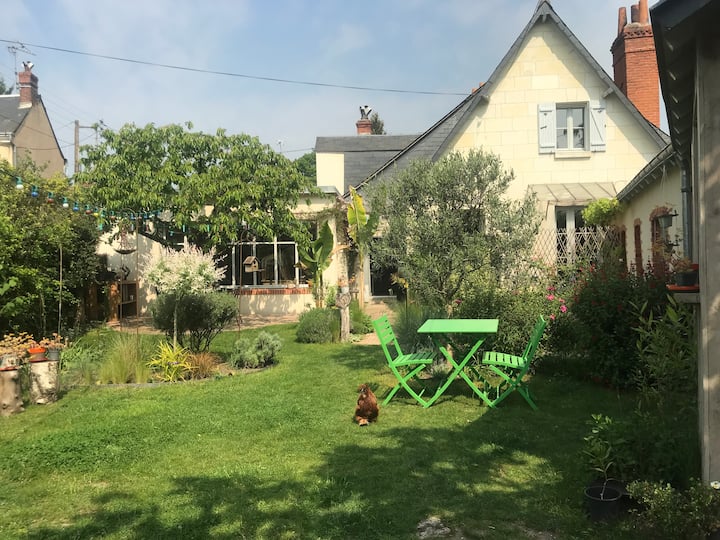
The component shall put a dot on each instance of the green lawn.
(275, 454)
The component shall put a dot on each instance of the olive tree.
(450, 222)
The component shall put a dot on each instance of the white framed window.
(571, 127)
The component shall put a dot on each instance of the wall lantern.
(665, 221)
(18, 183)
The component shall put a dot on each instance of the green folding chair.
(405, 367)
(511, 370)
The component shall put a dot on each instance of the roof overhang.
(575, 193)
(675, 26)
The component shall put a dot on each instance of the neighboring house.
(25, 128)
(655, 193)
(568, 131)
(688, 55)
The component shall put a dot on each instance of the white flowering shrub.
(188, 271)
(182, 273)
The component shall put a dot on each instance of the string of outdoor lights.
(99, 213)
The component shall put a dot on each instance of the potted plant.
(601, 497)
(685, 273)
(54, 345)
(13, 348)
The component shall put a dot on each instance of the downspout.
(686, 191)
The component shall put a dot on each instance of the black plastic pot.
(603, 502)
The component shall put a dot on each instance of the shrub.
(255, 354)
(360, 322)
(319, 325)
(405, 326)
(667, 350)
(171, 364)
(201, 317)
(605, 325)
(125, 360)
(80, 364)
(517, 311)
(204, 364)
(668, 513)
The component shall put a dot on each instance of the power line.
(239, 75)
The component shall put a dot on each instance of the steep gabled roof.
(434, 142)
(11, 116)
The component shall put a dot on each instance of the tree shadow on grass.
(491, 477)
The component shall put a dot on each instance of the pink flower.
(550, 297)
(563, 308)
(552, 316)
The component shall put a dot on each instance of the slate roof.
(435, 141)
(363, 153)
(10, 115)
(649, 174)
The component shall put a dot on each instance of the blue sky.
(444, 46)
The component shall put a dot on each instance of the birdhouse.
(251, 264)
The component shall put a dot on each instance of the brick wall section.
(272, 291)
(635, 64)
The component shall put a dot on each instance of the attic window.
(571, 127)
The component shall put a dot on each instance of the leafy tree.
(307, 166)
(449, 222)
(39, 239)
(377, 126)
(361, 229)
(182, 273)
(4, 89)
(214, 185)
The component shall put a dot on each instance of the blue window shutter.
(547, 134)
(597, 126)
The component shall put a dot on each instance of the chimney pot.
(634, 13)
(622, 19)
(644, 15)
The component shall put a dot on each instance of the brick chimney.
(634, 61)
(364, 125)
(28, 84)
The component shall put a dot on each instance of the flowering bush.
(557, 304)
(604, 319)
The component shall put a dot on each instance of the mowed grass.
(275, 454)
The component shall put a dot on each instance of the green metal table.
(441, 332)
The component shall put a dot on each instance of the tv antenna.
(14, 49)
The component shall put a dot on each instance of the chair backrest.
(535, 338)
(387, 337)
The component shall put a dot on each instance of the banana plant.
(315, 258)
(361, 229)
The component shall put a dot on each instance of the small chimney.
(28, 84)
(364, 125)
(634, 61)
